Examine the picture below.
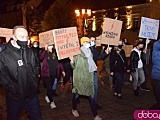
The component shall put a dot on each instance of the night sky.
(105, 4)
(76, 4)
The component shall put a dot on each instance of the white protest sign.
(149, 28)
(5, 32)
(111, 32)
(66, 42)
(46, 38)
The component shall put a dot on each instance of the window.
(135, 23)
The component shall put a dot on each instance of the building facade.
(132, 18)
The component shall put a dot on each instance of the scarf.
(88, 54)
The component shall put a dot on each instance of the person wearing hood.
(137, 67)
(19, 75)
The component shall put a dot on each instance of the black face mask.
(141, 49)
(125, 43)
(120, 46)
(22, 43)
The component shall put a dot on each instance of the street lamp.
(82, 19)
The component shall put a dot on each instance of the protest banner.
(66, 42)
(149, 28)
(111, 32)
(127, 49)
(46, 38)
(5, 32)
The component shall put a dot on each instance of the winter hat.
(84, 39)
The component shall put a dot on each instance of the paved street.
(112, 107)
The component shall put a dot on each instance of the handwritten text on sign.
(149, 28)
(46, 38)
(66, 42)
(111, 32)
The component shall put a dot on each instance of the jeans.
(138, 74)
(32, 106)
(118, 82)
(91, 101)
(156, 84)
(95, 85)
(54, 86)
(146, 69)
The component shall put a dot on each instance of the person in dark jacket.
(51, 69)
(68, 72)
(156, 71)
(36, 50)
(118, 66)
(137, 67)
(96, 57)
(19, 75)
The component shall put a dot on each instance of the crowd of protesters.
(22, 67)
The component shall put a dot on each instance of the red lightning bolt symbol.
(112, 26)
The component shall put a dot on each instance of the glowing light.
(77, 12)
(34, 38)
(129, 21)
(83, 11)
(116, 9)
(89, 12)
(94, 24)
(128, 7)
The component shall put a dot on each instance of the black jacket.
(118, 64)
(18, 73)
(134, 58)
(96, 56)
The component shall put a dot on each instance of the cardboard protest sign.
(127, 49)
(111, 32)
(46, 38)
(66, 42)
(5, 32)
(149, 28)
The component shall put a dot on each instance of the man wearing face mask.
(96, 57)
(19, 75)
(137, 67)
